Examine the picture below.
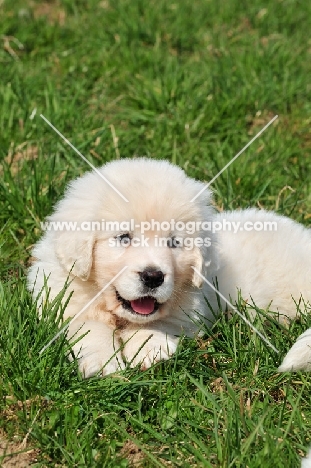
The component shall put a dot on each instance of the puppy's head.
(136, 251)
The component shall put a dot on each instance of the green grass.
(190, 81)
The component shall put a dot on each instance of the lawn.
(191, 81)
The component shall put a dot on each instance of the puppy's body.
(267, 259)
(271, 268)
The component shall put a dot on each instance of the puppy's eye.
(124, 239)
(124, 236)
(174, 242)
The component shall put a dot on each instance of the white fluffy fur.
(270, 268)
(306, 462)
(299, 356)
(155, 190)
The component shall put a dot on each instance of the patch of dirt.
(52, 11)
(260, 119)
(16, 454)
(244, 26)
(133, 454)
(266, 40)
(218, 385)
(20, 154)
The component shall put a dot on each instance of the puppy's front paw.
(95, 362)
(98, 351)
(299, 356)
(147, 347)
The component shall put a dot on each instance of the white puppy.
(140, 258)
(147, 259)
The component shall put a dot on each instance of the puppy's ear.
(197, 280)
(74, 251)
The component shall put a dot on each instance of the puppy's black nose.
(152, 278)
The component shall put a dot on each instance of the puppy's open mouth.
(145, 305)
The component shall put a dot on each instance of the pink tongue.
(143, 306)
